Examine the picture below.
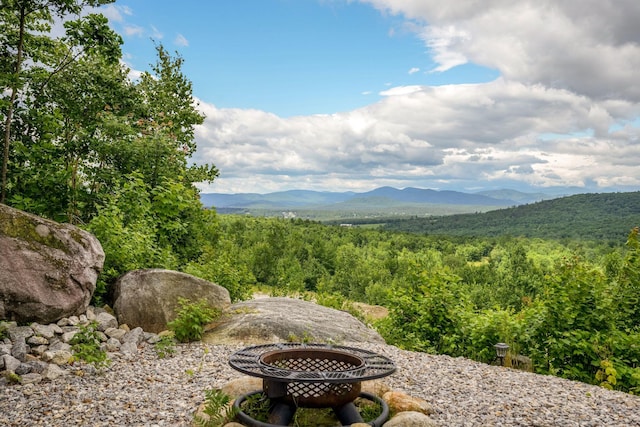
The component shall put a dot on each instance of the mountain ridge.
(310, 199)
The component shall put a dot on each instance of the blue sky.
(344, 95)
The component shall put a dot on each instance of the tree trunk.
(14, 96)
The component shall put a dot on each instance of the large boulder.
(149, 298)
(267, 320)
(47, 270)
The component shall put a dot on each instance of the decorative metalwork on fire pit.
(311, 375)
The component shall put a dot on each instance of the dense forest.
(83, 143)
(603, 217)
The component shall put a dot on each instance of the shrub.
(192, 316)
(86, 346)
(165, 347)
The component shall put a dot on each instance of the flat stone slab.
(268, 320)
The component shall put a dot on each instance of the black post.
(348, 414)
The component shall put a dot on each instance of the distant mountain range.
(382, 198)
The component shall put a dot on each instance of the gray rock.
(60, 357)
(115, 333)
(129, 348)
(60, 346)
(5, 349)
(268, 320)
(17, 332)
(20, 349)
(23, 369)
(38, 366)
(135, 336)
(68, 336)
(37, 340)
(45, 331)
(111, 345)
(10, 363)
(152, 338)
(30, 378)
(47, 270)
(53, 371)
(106, 321)
(39, 349)
(149, 298)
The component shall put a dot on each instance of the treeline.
(599, 216)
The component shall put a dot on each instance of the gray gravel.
(148, 391)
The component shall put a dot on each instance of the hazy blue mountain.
(387, 196)
(281, 199)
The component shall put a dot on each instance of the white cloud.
(114, 12)
(133, 30)
(181, 40)
(586, 46)
(429, 137)
(156, 34)
(414, 70)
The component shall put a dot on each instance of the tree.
(25, 25)
(167, 116)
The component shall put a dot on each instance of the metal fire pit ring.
(250, 422)
(247, 361)
(311, 375)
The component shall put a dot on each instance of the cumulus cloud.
(563, 113)
(432, 137)
(586, 46)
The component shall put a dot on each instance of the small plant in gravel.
(192, 317)
(12, 377)
(217, 409)
(4, 330)
(86, 346)
(165, 347)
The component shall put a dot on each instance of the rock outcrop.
(48, 270)
(149, 298)
(268, 320)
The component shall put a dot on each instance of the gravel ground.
(148, 391)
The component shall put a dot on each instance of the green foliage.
(12, 377)
(165, 347)
(606, 375)
(86, 346)
(219, 267)
(605, 217)
(140, 227)
(4, 330)
(216, 408)
(565, 306)
(369, 410)
(191, 319)
(257, 406)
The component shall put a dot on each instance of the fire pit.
(311, 376)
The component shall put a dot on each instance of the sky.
(351, 95)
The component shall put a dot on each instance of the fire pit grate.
(311, 375)
(251, 361)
